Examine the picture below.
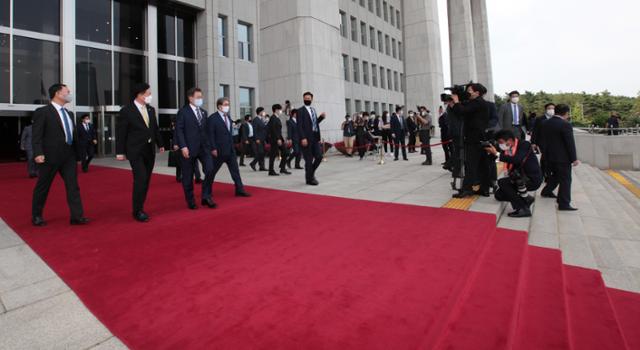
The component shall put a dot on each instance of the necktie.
(86, 127)
(226, 122)
(515, 115)
(314, 119)
(199, 116)
(145, 116)
(67, 127)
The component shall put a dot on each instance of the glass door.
(107, 133)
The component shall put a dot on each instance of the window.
(363, 33)
(376, 107)
(36, 63)
(343, 24)
(367, 106)
(4, 72)
(93, 21)
(400, 50)
(93, 77)
(345, 67)
(185, 30)
(389, 80)
(246, 101)
(402, 82)
(371, 6)
(176, 33)
(244, 42)
(354, 29)
(167, 77)
(362, 3)
(129, 24)
(4, 14)
(374, 75)
(356, 70)
(382, 81)
(365, 72)
(166, 32)
(386, 11)
(396, 84)
(223, 36)
(387, 48)
(372, 37)
(378, 11)
(398, 19)
(347, 106)
(393, 47)
(380, 44)
(223, 91)
(358, 108)
(37, 15)
(129, 70)
(391, 15)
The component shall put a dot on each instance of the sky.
(561, 45)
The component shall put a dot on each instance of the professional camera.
(489, 143)
(459, 90)
(519, 180)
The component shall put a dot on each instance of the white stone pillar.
(463, 62)
(423, 54)
(205, 43)
(482, 45)
(152, 50)
(68, 46)
(301, 50)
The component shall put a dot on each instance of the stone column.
(423, 54)
(152, 52)
(300, 50)
(463, 61)
(482, 47)
(206, 41)
(68, 48)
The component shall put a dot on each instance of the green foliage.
(586, 109)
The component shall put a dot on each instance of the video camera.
(459, 90)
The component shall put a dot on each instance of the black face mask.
(307, 102)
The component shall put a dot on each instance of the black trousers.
(472, 165)
(273, 154)
(387, 139)
(245, 148)
(295, 153)
(425, 141)
(508, 192)
(188, 166)
(412, 141)
(232, 164)
(258, 153)
(400, 143)
(32, 167)
(560, 176)
(456, 157)
(88, 153)
(312, 158)
(46, 174)
(142, 168)
(447, 148)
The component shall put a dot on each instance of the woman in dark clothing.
(385, 130)
(361, 137)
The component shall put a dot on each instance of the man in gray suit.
(512, 117)
(25, 145)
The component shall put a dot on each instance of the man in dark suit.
(512, 116)
(278, 146)
(399, 132)
(54, 143)
(246, 136)
(260, 137)
(309, 130)
(137, 134)
(87, 141)
(412, 128)
(525, 174)
(537, 137)
(293, 136)
(560, 154)
(26, 145)
(191, 136)
(219, 127)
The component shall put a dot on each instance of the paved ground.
(38, 311)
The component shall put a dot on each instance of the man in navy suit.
(191, 137)
(399, 130)
(293, 136)
(309, 131)
(260, 137)
(87, 141)
(219, 127)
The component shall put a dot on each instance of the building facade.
(354, 55)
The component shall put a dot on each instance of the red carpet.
(284, 270)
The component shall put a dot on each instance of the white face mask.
(198, 102)
(148, 99)
(225, 109)
(68, 98)
(515, 99)
(504, 146)
(550, 112)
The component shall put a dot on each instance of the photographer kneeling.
(524, 172)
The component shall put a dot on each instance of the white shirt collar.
(57, 106)
(140, 106)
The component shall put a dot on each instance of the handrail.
(615, 131)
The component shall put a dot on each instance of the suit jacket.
(220, 138)
(475, 117)
(505, 117)
(396, 127)
(85, 137)
(275, 129)
(189, 133)
(412, 126)
(48, 137)
(305, 125)
(292, 131)
(259, 129)
(558, 143)
(26, 138)
(244, 132)
(132, 132)
(525, 160)
(536, 135)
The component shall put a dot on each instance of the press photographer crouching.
(524, 172)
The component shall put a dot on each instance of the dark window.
(37, 15)
(186, 80)
(186, 36)
(167, 84)
(93, 21)
(128, 71)
(128, 23)
(4, 13)
(36, 66)
(93, 77)
(166, 32)
(4, 68)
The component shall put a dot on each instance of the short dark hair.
(276, 107)
(53, 89)
(259, 110)
(307, 94)
(287, 102)
(562, 109)
(193, 91)
(504, 134)
(399, 108)
(477, 87)
(247, 117)
(294, 112)
(514, 92)
(85, 116)
(549, 105)
(221, 101)
(140, 88)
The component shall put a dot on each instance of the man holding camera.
(524, 173)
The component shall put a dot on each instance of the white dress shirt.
(62, 116)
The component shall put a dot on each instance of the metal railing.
(611, 131)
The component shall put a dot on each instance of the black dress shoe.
(529, 200)
(141, 216)
(38, 221)
(209, 203)
(198, 181)
(242, 194)
(263, 169)
(242, 164)
(79, 221)
(299, 167)
(273, 173)
(253, 166)
(463, 194)
(567, 209)
(178, 180)
(548, 195)
(395, 159)
(285, 171)
(426, 162)
(313, 182)
(405, 158)
(483, 193)
(192, 205)
(520, 213)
